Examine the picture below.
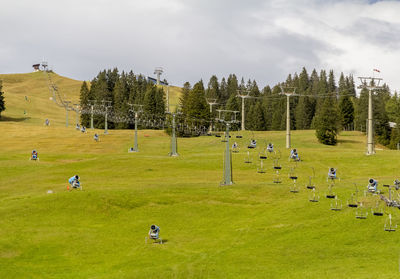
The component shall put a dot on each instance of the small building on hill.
(36, 67)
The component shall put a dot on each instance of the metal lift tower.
(289, 92)
(227, 179)
(371, 84)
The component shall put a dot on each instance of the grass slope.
(174, 95)
(253, 229)
(38, 106)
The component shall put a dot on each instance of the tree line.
(324, 103)
(118, 90)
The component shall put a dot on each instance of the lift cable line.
(371, 84)
(289, 92)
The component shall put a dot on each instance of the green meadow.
(252, 229)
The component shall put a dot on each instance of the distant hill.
(27, 97)
(174, 94)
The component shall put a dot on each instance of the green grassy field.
(252, 229)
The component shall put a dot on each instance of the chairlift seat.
(378, 213)
(336, 209)
(361, 217)
(239, 137)
(313, 200)
(218, 136)
(263, 157)
(310, 187)
(293, 177)
(277, 168)
(251, 147)
(390, 230)
(277, 181)
(331, 196)
(294, 191)
(352, 205)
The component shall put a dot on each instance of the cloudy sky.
(194, 39)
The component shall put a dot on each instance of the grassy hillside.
(37, 106)
(252, 229)
(174, 94)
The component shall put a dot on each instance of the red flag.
(376, 70)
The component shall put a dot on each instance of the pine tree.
(213, 91)
(326, 123)
(346, 110)
(197, 105)
(149, 105)
(84, 102)
(183, 99)
(279, 112)
(2, 102)
(256, 117)
(267, 106)
(331, 82)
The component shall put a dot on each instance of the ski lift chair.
(314, 197)
(361, 212)
(336, 204)
(389, 226)
(331, 180)
(247, 160)
(378, 210)
(277, 169)
(262, 156)
(261, 169)
(352, 202)
(310, 184)
(293, 177)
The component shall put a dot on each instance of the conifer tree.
(213, 90)
(326, 123)
(183, 99)
(84, 102)
(2, 102)
(346, 110)
(256, 117)
(197, 105)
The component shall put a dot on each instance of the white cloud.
(193, 39)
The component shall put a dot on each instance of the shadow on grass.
(13, 119)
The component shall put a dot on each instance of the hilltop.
(27, 97)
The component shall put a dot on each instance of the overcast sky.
(194, 39)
